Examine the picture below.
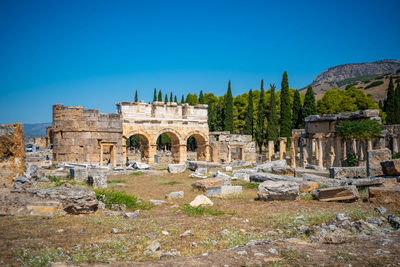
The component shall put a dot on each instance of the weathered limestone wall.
(12, 153)
(179, 122)
(226, 147)
(40, 142)
(86, 136)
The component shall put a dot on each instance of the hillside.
(35, 129)
(371, 77)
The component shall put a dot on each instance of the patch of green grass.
(44, 258)
(322, 186)
(250, 185)
(320, 217)
(340, 255)
(200, 211)
(136, 173)
(110, 197)
(116, 181)
(359, 214)
(60, 181)
(170, 183)
(307, 196)
(237, 239)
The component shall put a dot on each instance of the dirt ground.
(82, 239)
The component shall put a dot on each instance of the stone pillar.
(101, 155)
(309, 151)
(271, 150)
(229, 154)
(344, 152)
(354, 147)
(293, 152)
(151, 153)
(395, 143)
(338, 152)
(320, 154)
(282, 147)
(182, 153)
(303, 152)
(369, 148)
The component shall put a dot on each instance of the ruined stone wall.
(86, 136)
(179, 122)
(40, 142)
(226, 147)
(391, 140)
(12, 153)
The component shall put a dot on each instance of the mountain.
(361, 75)
(35, 129)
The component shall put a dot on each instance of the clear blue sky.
(97, 53)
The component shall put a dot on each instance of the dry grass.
(87, 238)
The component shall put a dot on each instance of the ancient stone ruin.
(12, 152)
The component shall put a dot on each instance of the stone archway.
(178, 147)
(144, 145)
(202, 145)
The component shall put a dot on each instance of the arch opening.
(196, 147)
(168, 148)
(137, 148)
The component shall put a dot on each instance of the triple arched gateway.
(178, 122)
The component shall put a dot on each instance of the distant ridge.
(342, 75)
(33, 130)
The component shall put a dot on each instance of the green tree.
(228, 110)
(171, 99)
(175, 100)
(212, 119)
(166, 99)
(260, 130)
(191, 99)
(201, 97)
(309, 106)
(390, 104)
(296, 111)
(136, 96)
(286, 113)
(397, 104)
(249, 123)
(159, 96)
(273, 128)
(183, 99)
(155, 95)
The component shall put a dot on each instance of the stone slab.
(224, 191)
(384, 195)
(347, 172)
(339, 193)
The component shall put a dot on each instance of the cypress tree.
(136, 96)
(286, 114)
(201, 97)
(175, 100)
(249, 123)
(397, 104)
(211, 117)
(155, 95)
(166, 99)
(309, 106)
(260, 120)
(273, 127)
(297, 110)
(183, 99)
(380, 104)
(390, 104)
(228, 110)
(159, 96)
(171, 98)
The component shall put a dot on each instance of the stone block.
(282, 170)
(347, 172)
(178, 194)
(210, 166)
(374, 158)
(391, 167)
(80, 175)
(224, 191)
(307, 186)
(384, 195)
(176, 168)
(339, 193)
(279, 190)
(201, 200)
(202, 185)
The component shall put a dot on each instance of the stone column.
(395, 143)
(229, 154)
(182, 153)
(369, 148)
(338, 152)
(320, 154)
(303, 152)
(151, 153)
(309, 150)
(282, 147)
(101, 155)
(293, 152)
(271, 150)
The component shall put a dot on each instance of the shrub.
(110, 197)
(250, 185)
(360, 130)
(351, 160)
(200, 211)
(373, 84)
(396, 155)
